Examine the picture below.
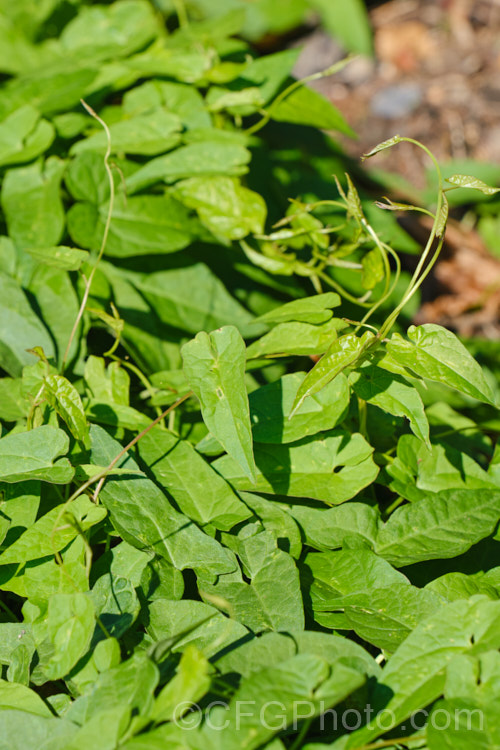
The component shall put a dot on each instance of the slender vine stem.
(88, 282)
(418, 277)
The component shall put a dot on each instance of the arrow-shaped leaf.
(214, 364)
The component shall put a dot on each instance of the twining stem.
(384, 250)
(418, 277)
(88, 282)
(343, 292)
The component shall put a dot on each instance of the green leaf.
(103, 729)
(386, 616)
(453, 586)
(214, 365)
(116, 603)
(393, 394)
(415, 675)
(35, 455)
(295, 338)
(303, 680)
(107, 384)
(261, 605)
(197, 489)
(348, 571)
(229, 210)
(333, 468)
(21, 729)
(189, 685)
(366, 595)
(19, 508)
(53, 531)
(271, 405)
(443, 217)
(179, 297)
(373, 268)
(353, 202)
(147, 342)
(71, 622)
(463, 723)
(331, 528)
(50, 88)
(437, 354)
(62, 257)
(304, 106)
(58, 306)
(184, 100)
(193, 622)
(116, 415)
(86, 178)
(269, 72)
(149, 134)
(141, 225)
(342, 353)
(22, 698)
(277, 522)
(65, 399)
(20, 329)
(466, 181)
(145, 518)
(312, 310)
(443, 525)
(348, 22)
(130, 684)
(106, 32)
(24, 136)
(237, 103)
(17, 53)
(271, 649)
(441, 468)
(32, 204)
(382, 146)
(13, 406)
(203, 159)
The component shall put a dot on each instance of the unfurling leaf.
(341, 354)
(382, 146)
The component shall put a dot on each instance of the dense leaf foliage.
(241, 506)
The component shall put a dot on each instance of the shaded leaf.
(332, 469)
(443, 525)
(393, 394)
